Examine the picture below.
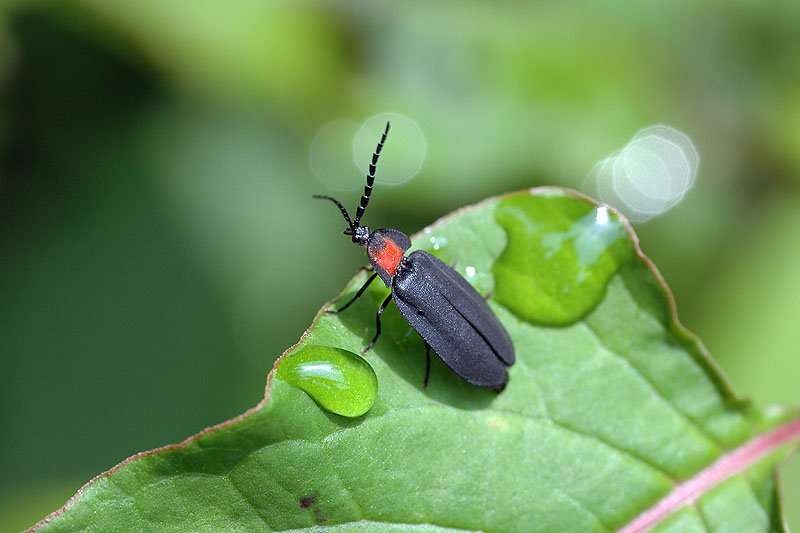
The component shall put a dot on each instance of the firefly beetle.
(447, 312)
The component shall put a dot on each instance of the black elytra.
(446, 311)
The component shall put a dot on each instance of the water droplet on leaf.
(561, 253)
(339, 381)
(437, 241)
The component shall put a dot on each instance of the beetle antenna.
(371, 177)
(341, 208)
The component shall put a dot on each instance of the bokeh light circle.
(330, 156)
(649, 176)
(403, 154)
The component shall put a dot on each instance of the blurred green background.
(159, 246)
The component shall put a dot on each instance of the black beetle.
(446, 311)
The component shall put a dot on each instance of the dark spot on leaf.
(319, 516)
(308, 500)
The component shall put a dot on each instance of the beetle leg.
(427, 364)
(383, 306)
(356, 297)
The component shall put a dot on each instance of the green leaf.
(612, 409)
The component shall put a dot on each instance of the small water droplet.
(339, 381)
(470, 271)
(437, 241)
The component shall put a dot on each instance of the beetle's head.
(359, 235)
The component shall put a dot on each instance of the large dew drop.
(561, 253)
(339, 381)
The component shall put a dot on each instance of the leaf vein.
(694, 424)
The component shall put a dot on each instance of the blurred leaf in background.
(159, 246)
